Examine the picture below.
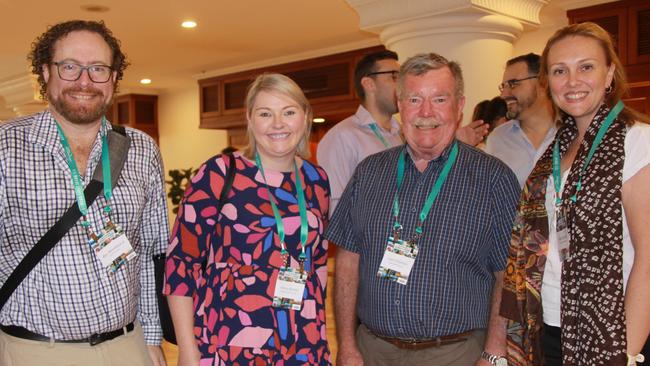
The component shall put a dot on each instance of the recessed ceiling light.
(188, 24)
(318, 120)
(145, 81)
(95, 8)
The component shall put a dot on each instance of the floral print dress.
(228, 261)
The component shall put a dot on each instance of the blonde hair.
(281, 84)
(619, 84)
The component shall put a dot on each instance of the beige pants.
(377, 352)
(125, 350)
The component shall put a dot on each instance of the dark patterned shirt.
(465, 240)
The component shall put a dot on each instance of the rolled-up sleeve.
(154, 233)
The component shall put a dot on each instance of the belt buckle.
(95, 339)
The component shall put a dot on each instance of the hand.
(157, 356)
(349, 356)
(473, 133)
(191, 357)
(482, 362)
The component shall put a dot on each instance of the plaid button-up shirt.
(465, 240)
(70, 294)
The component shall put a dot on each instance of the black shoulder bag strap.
(118, 144)
(159, 259)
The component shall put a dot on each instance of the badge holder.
(111, 246)
(399, 257)
(290, 285)
(563, 238)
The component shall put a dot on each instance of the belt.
(414, 344)
(95, 339)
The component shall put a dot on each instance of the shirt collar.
(442, 157)
(364, 118)
(44, 133)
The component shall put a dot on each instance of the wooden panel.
(235, 93)
(327, 82)
(639, 34)
(324, 81)
(138, 111)
(612, 17)
(639, 97)
(210, 98)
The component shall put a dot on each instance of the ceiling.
(230, 34)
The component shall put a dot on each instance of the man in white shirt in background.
(522, 140)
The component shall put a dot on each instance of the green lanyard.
(557, 179)
(451, 159)
(302, 206)
(375, 129)
(76, 177)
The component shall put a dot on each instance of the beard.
(79, 114)
(387, 105)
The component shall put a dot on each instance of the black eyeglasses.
(394, 73)
(70, 71)
(513, 83)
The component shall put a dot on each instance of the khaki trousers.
(125, 350)
(377, 352)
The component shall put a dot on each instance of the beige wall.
(182, 143)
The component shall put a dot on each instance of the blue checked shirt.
(69, 294)
(465, 240)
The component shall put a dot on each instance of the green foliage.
(177, 184)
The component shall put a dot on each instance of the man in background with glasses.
(91, 300)
(522, 140)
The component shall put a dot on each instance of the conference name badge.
(398, 260)
(112, 247)
(289, 288)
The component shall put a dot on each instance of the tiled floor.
(171, 352)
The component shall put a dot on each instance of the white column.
(478, 34)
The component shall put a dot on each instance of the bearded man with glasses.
(91, 299)
(522, 140)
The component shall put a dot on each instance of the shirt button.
(397, 302)
(401, 330)
(413, 209)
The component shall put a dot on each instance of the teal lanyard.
(451, 159)
(557, 178)
(302, 207)
(76, 177)
(375, 129)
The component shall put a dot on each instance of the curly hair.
(43, 48)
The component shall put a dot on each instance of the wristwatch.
(494, 360)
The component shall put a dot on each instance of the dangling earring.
(609, 89)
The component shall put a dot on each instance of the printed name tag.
(289, 289)
(398, 260)
(112, 247)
